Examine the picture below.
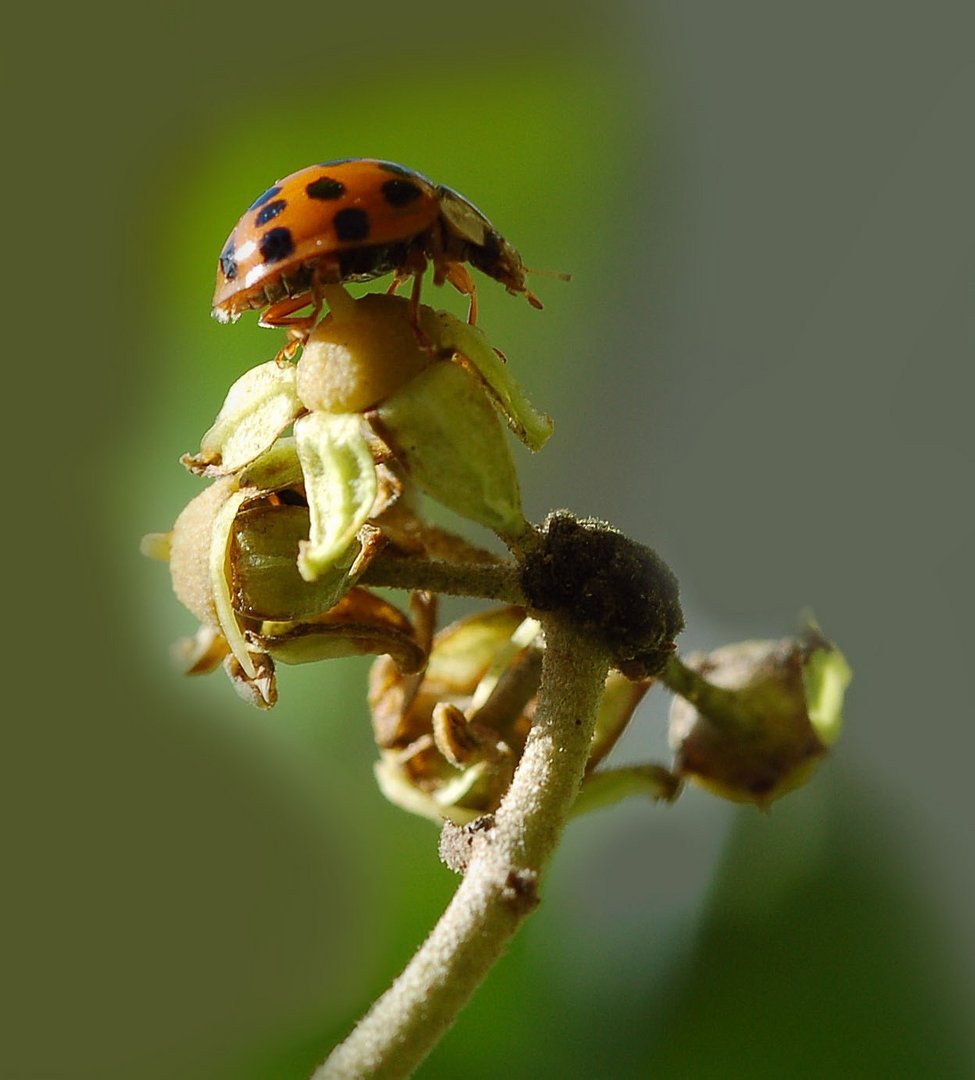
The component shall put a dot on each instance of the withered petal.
(360, 623)
(259, 689)
(200, 654)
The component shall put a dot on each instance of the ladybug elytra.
(354, 220)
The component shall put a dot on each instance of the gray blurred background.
(762, 367)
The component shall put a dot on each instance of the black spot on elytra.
(262, 199)
(228, 261)
(351, 224)
(325, 188)
(401, 192)
(276, 244)
(268, 211)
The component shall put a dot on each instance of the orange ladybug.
(353, 220)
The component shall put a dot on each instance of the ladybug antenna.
(530, 296)
(560, 275)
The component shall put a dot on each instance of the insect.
(354, 220)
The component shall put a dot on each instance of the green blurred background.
(762, 366)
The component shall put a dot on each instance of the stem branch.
(726, 709)
(500, 887)
(488, 581)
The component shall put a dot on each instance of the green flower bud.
(447, 436)
(471, 346)
(367, 349)
(267, 556)
(198, 560)
(449, 742)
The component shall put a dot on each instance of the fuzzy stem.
(500, 887)
(487, 581)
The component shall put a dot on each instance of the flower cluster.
(318, 469)
(382, 404)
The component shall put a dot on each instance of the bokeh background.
(762, 367)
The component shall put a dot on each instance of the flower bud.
(445, 432)
(189, 550)
(367, 349)
(764, 715)
(471, 346)
(361, 353)
(384, 393)
(449, 741)
(433, 389)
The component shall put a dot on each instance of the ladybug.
(353, 220)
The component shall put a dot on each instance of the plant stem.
(487, 581)
(607, 787)
(500, 887)
(726, 709)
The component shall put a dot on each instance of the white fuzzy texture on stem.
(499, 889)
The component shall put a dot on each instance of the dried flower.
(763, 720)
(233, 556)
(450, 740)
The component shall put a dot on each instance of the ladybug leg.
(438, 256)
(415, 300)
(280, 314)
(460, 277)
(297, 327)
(421, 337)
(414, 266)
(447, 268)
(288, 352)
(472, 310)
